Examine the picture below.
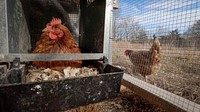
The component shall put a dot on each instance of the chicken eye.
(55, 28)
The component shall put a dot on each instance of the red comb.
(55, 21)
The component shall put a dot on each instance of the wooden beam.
(160, 97)
(116, 4)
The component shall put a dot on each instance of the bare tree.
(174, 38)
(116, 27)
(122, 28)
(127, 28)
(192, 35)
(137, 32)
(194, 31)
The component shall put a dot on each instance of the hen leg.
(145, 77)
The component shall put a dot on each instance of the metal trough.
(61, 94)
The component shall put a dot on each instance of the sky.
(160, 16)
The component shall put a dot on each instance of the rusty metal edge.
(47, 57)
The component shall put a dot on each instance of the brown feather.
(146, 62)
(65, 44)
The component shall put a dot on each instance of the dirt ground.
(127, 101)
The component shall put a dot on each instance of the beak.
(44, 30)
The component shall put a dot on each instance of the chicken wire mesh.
(176, 24)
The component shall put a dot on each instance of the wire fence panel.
(176, 24)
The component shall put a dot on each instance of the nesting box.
(21, 24)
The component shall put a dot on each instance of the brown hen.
(56, 38)
(146, 62)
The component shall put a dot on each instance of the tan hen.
(146, 62)
(56, 38)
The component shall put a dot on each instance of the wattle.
(61, 34)
(53, 36)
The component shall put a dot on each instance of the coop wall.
(18, 33)
(26, 19)
(3, 35)
(92, 26)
